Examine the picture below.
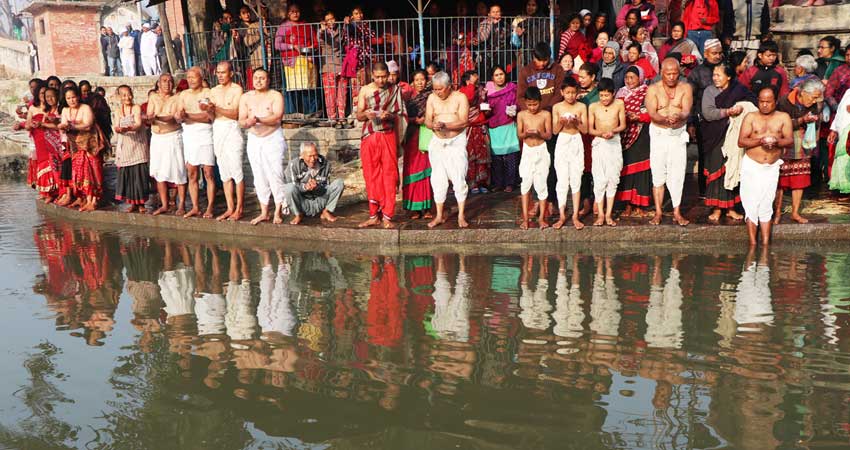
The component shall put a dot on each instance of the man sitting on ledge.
(308, 189)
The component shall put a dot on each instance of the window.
(41, 26)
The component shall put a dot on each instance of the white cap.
(583, 13)
(146, 25)
(392, 66)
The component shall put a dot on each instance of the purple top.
(499, 100)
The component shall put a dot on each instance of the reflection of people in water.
(274, 313)
(385, 312)
(604, 304)
(569, 313)
(753, 302)
(210, 305)
(143, 262)
(533, 304)
(177, 287)
(664, 314)
(240, 320)
(451, 311)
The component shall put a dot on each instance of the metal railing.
(313, 64)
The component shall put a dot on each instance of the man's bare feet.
(387, 224)
(260, 218)
(208, 214)
(523, 224)
(680, 220)
(610, 222)
(777, 219)
(370, 223)
(328, 216)
(600, 220)
(224, 216)
(161, 210)
(577, 224)
(296, 220)
(142, 210)
(277, 219)
(436, 222)
(179, 211)
(236, 216)
(192, 213)
(462, 223)
(799, 219)
(560, 223)
(543, 224)
(656, 219)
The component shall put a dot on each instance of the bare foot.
(437, 221)
(543, 224)
(777, 219)
(415, 215)
(577, 224)
(260, 218)
(734, 215)
(208, 214)
(462, 223)
(600, 220)
(799, 219)
(179, 212)
(162, 209)
(583, 212)
(63, 200)
(560, 223)
(77, 203)
(679, 219)
(610, 222)
(295, 220)
(328, 216)
(236, 216)
(224, 216)
(278, 219)
(428, 215)
(523, 224)
(509, 189)
(656, 219)
(370, 223)
(142, 210)
(192, 212)
(714, 218)
(387, 224)
(88, 207)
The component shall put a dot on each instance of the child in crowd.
(534, 128)
(607, 121)
(570, 121)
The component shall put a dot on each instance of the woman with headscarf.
(573, 42)
(416, 192)
(635, 187)
(719, 103)
(679, 43)
(610, 65)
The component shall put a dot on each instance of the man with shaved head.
(228, 144)
(668, 103)
(167, 164)
(192, 113)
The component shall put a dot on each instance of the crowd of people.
(609, 134)
(137, 52)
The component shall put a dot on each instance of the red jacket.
(696, 9)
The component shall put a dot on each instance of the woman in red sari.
(573, 42)
(43, 122)
(477, 140)
(86, 142)
(416, 174)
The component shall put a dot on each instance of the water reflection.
(656, 350)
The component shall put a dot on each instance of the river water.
(115, 339)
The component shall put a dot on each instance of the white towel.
(730, 148)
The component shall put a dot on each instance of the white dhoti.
(668, 158)
(198, 144)
(128, 63)
(534, 170)
(753, 300)
(451, 312)
(607, 164)
(240, 320)
(166, 161)
(210, 310)
(150, 63)
(758, 189)
(569, 165)
(177, 288)
(448, 164)
(228, 146)
(274, 313)
(266, 157)
(664, 314)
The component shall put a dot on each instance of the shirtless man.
(446, 112)
(764, 136)
(668, 103)
(381, 109)
(607, 119)
(166, 161)
(227, 138)
(570, 122)
(534, 128)
(260, 112)
(192, 113)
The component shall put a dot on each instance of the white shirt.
(147, 45)
(126, 44)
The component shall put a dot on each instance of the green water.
(115, 339)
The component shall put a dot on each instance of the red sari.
(477, 140)
(416, 192)
(49, 153)
(86, 163)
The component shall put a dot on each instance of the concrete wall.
(795, 28)
(15, 57)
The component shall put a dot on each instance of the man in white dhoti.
(447, 113)
(147, 49)
(166, 159)
(228, 144)
(753, 300)
(241, 318)
(260, 112)
(569, 119)
(126, 46)
(193, 113)
(664, 313)
(569, 313)
(764, 136)
(274, 313)
(210, 305)
(668, 103)
(606, 120)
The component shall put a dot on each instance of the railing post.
(419, 11)
(188, 50)
(552, 28)
(262, 35)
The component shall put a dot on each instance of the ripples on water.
(254, 348)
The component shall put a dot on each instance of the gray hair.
(441, 78)
(308, 145)
(807, 63)
(812, 86)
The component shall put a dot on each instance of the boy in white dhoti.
(668, 103)
(569, 122)
(607, 119)
(166, 161)
(534, 127)
(764, 136)
(260, 112)
(228, 144)
(197, 139)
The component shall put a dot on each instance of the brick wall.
(71, 45)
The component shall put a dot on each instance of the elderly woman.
(719, 103)
(804, 105)
(805, 67)
(610, 65)
(635, 188)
